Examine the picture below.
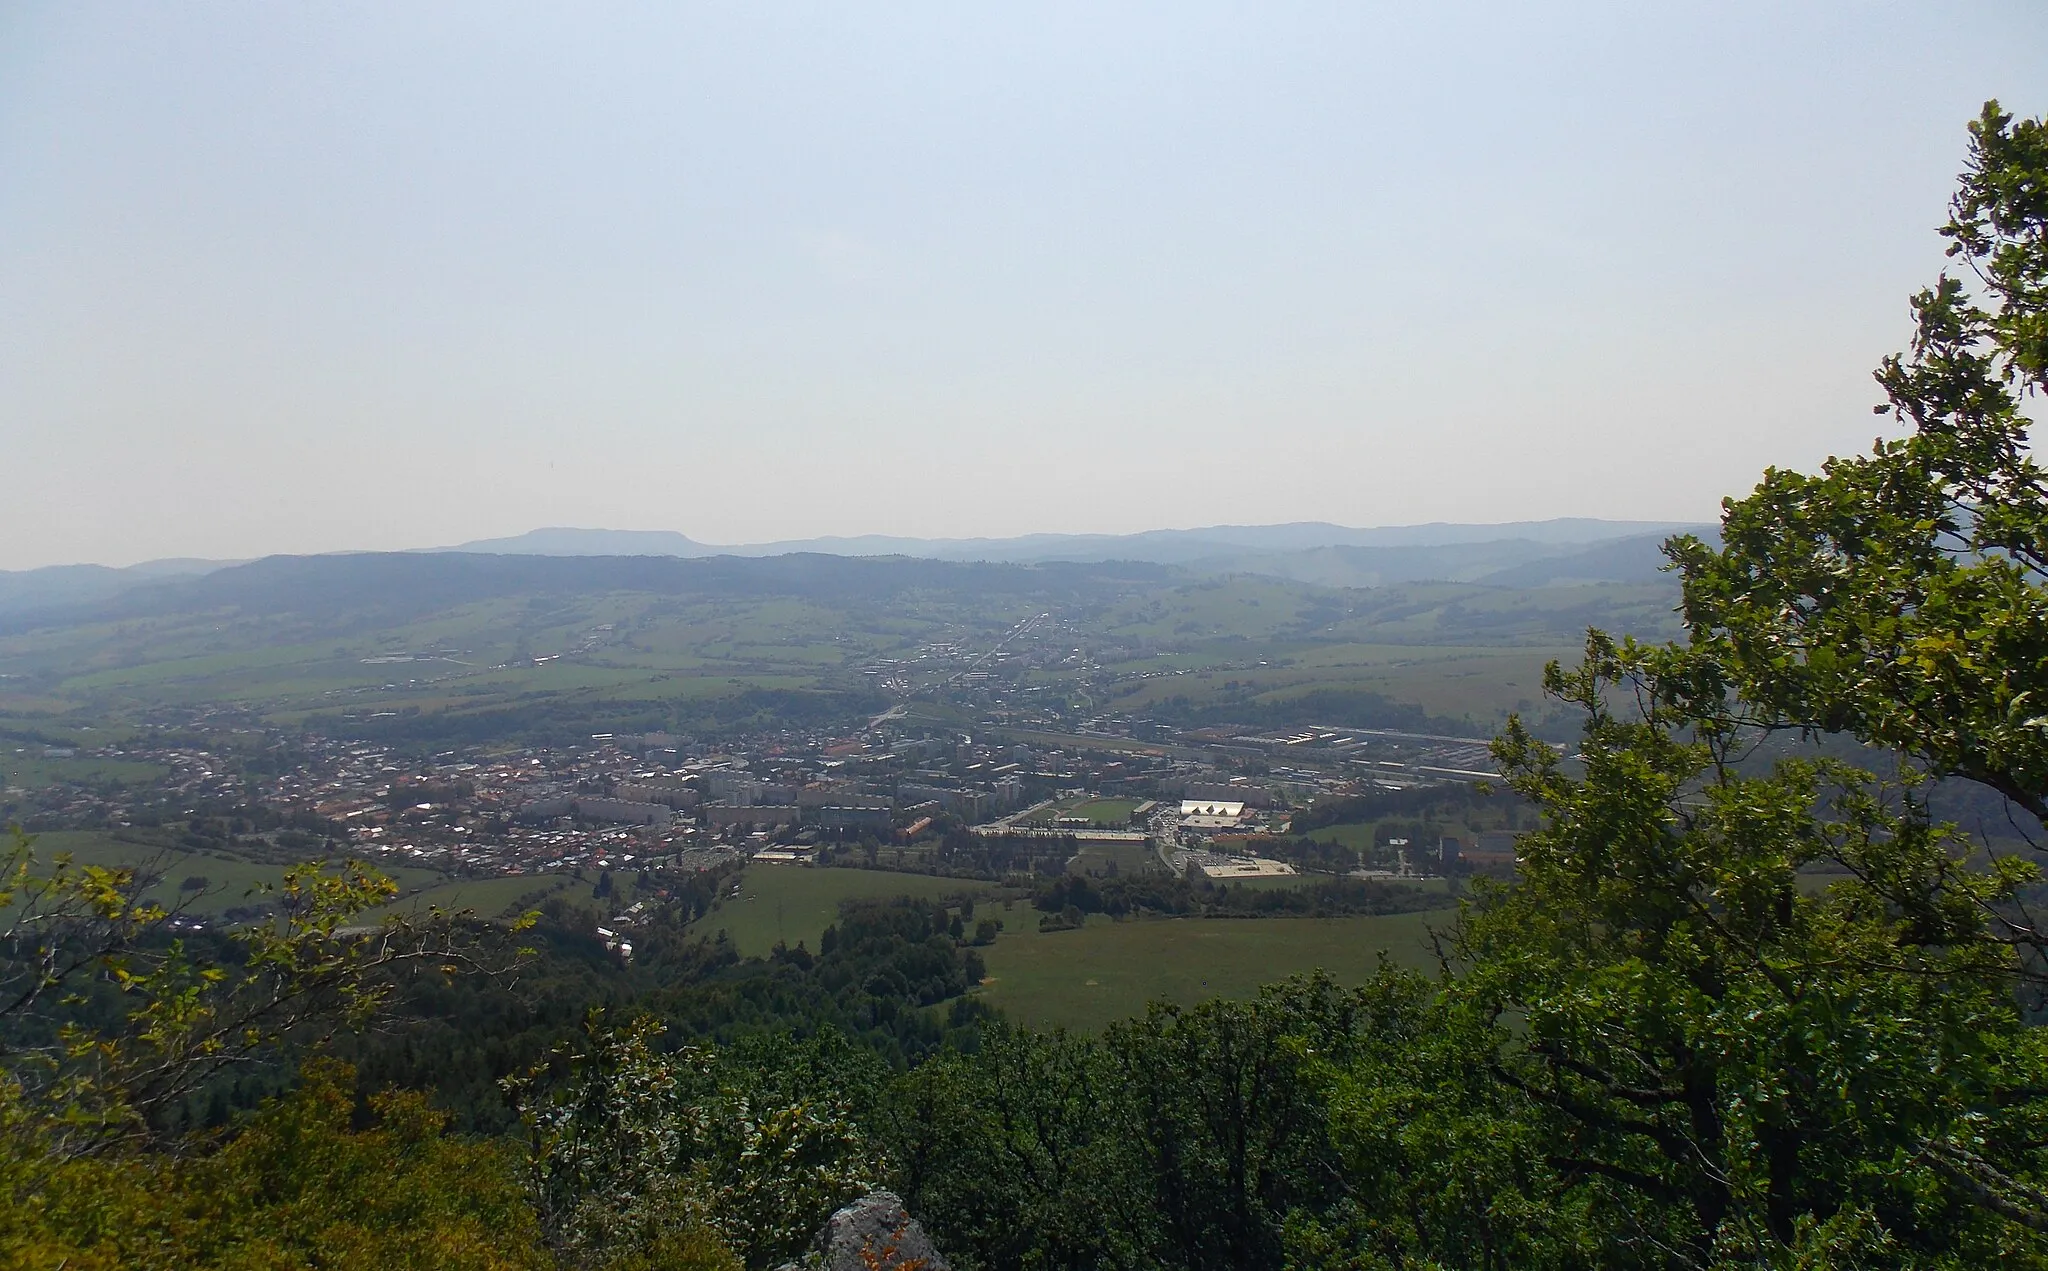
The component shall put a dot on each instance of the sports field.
(1108, 971)
(795, 903)
(1109, 813)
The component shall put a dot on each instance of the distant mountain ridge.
(1520, 553)
(563, 541)
(1555, 552)
(1637, 559)
(1158, 546)
(57, 585)
(395, 586)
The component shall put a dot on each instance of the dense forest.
(1729, 1013)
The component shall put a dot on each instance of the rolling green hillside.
(466, 648)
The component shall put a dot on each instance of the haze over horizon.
(299, 279)
(1559, 534)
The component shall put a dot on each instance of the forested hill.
(399, 584)
(1571, 551)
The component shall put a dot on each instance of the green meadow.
(794, 904)
(229, 880)
(485, 897)
(1106, 971)
(28, 768)
(1091, 977)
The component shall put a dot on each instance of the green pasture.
(1482, 684)
(1107, 971)
(1478, 683)
(1360, 836)
(30, 710)
(232, 665)
(509, 896)
(1243, 606)
(1200, 658)
(1357, 837)
(485, 897)
(1475, 614)
(231, 880)
(32, 727)
(1276, 882)
(659, 647)
(795, 903)
(1127, 859)
(29, 769)
(713, 682)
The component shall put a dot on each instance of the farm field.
(1277, 882)
(1117, 858)
(1478, 684)
(486, 897)
(611, 647)
(229, 878)
(1108, 971)
(1358, 836)
(28, 768)
(795, 903)
(1361, 836)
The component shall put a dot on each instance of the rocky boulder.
(874, 1233)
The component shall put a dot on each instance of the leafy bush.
(296, 1187)
(635, 1150)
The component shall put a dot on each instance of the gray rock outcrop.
(874, 1233)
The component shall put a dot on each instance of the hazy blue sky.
(304, 277)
